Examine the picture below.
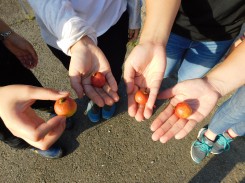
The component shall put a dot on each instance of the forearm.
(62, 20)
(134, 9)
(3, 26)
(230, 74)
(160, 15)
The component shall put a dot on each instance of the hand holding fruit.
(16, 113)
(87, 59)
(200, 97)
(144, 68)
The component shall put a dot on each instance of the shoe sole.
(215, 153)
(191, 154)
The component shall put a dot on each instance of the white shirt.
(64, 22)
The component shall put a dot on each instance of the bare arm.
(145, 66)
(230, 74)
(159, 19)
(201, 94)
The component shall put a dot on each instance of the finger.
(45, 128)
(136, 33)
(50, 138)
(104, 96)
(76, 85)
(128, 76)
(164, 128)
(154, 89)
(40, 93)
(162, 117)
(150, 103)
(187, 129)
(166, 94)
(32, 61)
(176, 127)
(139, 114)
(113, 95)
(111, 81)
(33, 52)
(94, 95)
(130, 33)
(132, 105)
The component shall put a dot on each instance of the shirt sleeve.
(62, 21)
(134, 9)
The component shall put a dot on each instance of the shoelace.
(203, 146)
(224, 141)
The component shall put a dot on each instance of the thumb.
(166, 94)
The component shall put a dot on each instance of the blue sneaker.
(53, 152)
(108, 111)
(201, 147)
(93, 112)
(222, 143)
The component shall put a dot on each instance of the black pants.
(113, 43)
(13, 72)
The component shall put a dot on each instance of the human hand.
(199, 94)
(144, 69)
(133, 34)
(22, 49)
(86, 59)
(21, 119)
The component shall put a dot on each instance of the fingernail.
(163, 140)
(63, 92)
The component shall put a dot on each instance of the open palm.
(198, 94)
(144, 69)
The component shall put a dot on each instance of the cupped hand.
(144, 69)
(199, 94)
(22, 49)
(86, 59)
(21, 119)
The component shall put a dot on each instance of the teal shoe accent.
(201, 147)
(222, 143)
(108, 111)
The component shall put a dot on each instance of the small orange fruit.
(65, 107)
(141, 97)
(182, 110)
(98, 80)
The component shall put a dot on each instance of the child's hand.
(133, 34)
(22, 49)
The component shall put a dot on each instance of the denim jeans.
(231, 114)
(193, 59)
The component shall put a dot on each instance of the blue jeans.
(231, 114)
(193, 59)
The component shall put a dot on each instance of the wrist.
(215, 85)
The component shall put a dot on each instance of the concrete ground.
(115, 151)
